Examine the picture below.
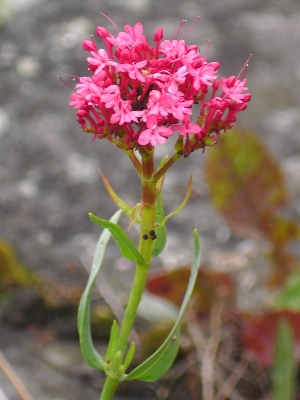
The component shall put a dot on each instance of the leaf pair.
(157, 364)
(134, 213)
(128, 250)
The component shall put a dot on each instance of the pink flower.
(161, 103)
(173, 48)
(203, 75)
(140, 94)
(233, 88)
(154, 134)
(186, 127)
(111, 96)
(123, 113)
(168, 80)
(100, 60)
(87, 91)
(133, 70)
(132, 37)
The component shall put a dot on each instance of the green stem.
(145, 248)
(161, 172)
(130, 153)
(109, 388)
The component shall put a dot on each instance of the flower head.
(138, 95)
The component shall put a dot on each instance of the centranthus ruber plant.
(138, 96)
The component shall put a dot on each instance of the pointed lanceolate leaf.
(90, 354)
(126, 246)
(113, 338)
(160, 362)
(128, 358)
(116, 199)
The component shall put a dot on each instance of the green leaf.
(117, 200)
(113, 338)
(160, 362)
(128, 358)
(161, 233)
(284, 371)
(90, 354)
(126, 246)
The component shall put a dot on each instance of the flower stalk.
(146, 240)
(137, 96)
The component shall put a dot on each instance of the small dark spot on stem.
(145, 237)
(153, 235)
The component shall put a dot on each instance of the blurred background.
(49, 178)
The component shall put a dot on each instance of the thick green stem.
(147, 234)
(109, 388)
(145, 249)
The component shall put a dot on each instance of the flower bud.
(89, 45)
(158, 35)
(102, 32)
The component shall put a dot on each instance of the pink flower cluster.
(140, 95)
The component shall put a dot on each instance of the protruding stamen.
(110, 20)
(190, 27)
(66, 83)
(179, 29)
(244, 69)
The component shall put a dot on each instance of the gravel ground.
(48, 168)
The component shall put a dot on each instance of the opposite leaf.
(160, 362)
(113, 338)
(117, 200)
(90, 354)
(126, 246)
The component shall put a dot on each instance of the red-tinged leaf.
(284, 262)
(284, 230)
(246, 182)
(210, 287)
(259, 334)
(113, 195)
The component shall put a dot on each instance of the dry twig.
(13, 378)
